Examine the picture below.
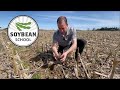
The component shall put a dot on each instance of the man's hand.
(63, 56)
(55, 52)
(56, 56)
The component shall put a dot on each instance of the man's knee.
(81, 42)
(80, 46)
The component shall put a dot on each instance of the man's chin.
(62, 32)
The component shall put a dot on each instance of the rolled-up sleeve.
(55, 38)
(74, 36)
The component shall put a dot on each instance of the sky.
(82, 20)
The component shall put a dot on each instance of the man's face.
(62, 26)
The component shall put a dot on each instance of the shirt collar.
(68, 31)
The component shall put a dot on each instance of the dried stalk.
(113, 68)
(24, 75)
(42, 47)
(9, 55)
(109, 55)
(63, 71)
(79, 57)
(76, 67)
(101, 74)
(12, 53)
(76, 71)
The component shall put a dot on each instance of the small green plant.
(36, 76)
(25, 64)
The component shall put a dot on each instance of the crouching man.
(66, 40)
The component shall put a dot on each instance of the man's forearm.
(72, 48)
(54, 49)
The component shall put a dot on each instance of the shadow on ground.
(45, 57)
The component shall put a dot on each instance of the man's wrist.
(57, 54)
(67, 52)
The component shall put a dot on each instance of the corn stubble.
(99, 60)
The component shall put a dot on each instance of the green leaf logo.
(23, 30)
(21, 26)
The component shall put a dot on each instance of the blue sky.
(77, 19)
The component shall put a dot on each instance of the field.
(99, 60)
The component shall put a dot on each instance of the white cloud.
(92, 19)
(113, 20)
(96, 22)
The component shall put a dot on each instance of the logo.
(23, 30)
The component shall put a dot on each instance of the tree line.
(107, 29)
